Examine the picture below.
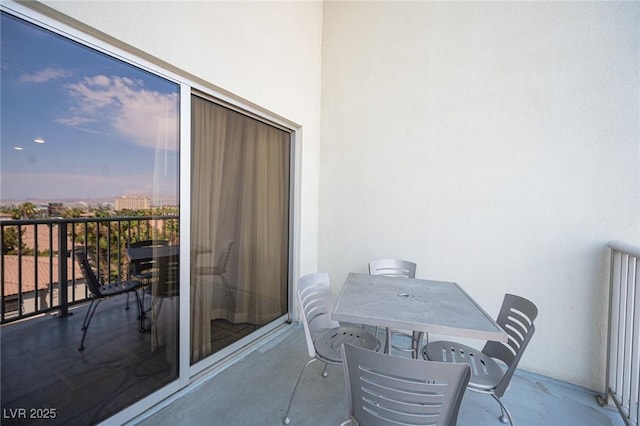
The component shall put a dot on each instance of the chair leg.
(286, 419)
(228, 288)
(325, 373)
(419, 339)
(87, 320)
(137, 299)
(86, 315)
(141, 298)
(415, 344)
(387, 344)
(140, 305)
(503, 419)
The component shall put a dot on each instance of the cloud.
(75, 121)
(122, 105)
(44, 75)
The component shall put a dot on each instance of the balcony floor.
(43, 369)
(256, 390)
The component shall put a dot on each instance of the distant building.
(131, 203)
(55, 210)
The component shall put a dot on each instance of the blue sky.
(108, 128)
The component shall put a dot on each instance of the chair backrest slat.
(393, 268)
(87, 271)
(316, 304)
(516, 317)
(385, 389)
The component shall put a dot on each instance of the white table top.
(414, 304)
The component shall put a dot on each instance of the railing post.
(62, 269)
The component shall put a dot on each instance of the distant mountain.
(170, 201)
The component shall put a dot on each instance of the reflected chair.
(385, 389)
(143, 270)
(396, 268)
(487, 375)
(220, 269)
(323, 335)
(100, 292)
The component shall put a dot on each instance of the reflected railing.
(38, 273)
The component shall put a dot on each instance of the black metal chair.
(488, 376)
(100, 292)
(385, 389)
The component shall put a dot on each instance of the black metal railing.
(38, 273)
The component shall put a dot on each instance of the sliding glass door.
(240, 186)
(115, 143)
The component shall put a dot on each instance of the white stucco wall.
(265, 52)
(496, 145)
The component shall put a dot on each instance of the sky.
(77, 124)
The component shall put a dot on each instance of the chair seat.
(118, 287)
(328, 344)
(485, 371)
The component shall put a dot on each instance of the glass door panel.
(239, 225)
(88, 161)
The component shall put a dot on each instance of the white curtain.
(240, 192)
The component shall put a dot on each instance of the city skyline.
(77, 124)
(89, 202)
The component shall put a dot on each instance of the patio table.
(137, 254)
(419, 305)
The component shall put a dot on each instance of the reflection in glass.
(98, 143)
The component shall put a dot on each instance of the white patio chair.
(387, 390)
(323, 335)
(488, 376)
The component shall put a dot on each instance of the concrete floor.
(256, 390)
